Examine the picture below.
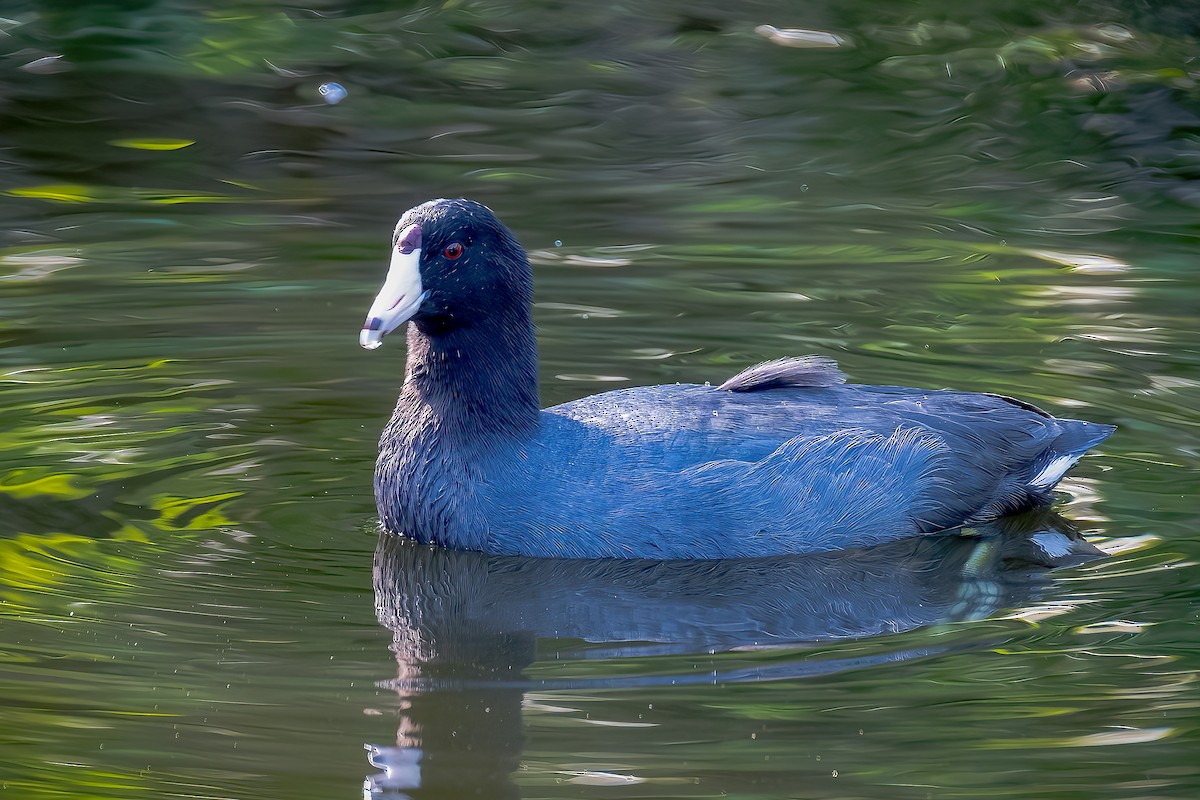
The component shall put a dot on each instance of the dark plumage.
(782, 458)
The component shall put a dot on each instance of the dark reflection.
(466, 625)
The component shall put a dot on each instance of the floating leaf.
(190, 198)
(75, 193)
(59, 192)
(153, 144)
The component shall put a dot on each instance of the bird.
(784, 457)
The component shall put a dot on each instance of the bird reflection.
(465, 626)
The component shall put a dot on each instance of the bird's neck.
(475, 385)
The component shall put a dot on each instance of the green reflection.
(997, 197)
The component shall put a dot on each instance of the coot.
(784, 457)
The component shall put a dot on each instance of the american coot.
(782, 458)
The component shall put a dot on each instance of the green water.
(194, 599)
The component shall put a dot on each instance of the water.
(194, 600)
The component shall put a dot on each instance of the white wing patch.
(1052, 473)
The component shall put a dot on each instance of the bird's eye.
(454, 250)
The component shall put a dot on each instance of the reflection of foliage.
(88, 465)
(448, 95)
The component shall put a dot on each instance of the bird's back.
(695, 471)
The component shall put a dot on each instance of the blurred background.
(197, 204)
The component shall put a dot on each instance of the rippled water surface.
(194, 599)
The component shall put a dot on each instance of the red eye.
(454, 250)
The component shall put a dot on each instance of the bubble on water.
(804, 187)
(333, 93)
(558, 242)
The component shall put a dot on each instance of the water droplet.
(333, 93)
(804, 187)
(714, 413)
(558, 242)
(706, 383)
